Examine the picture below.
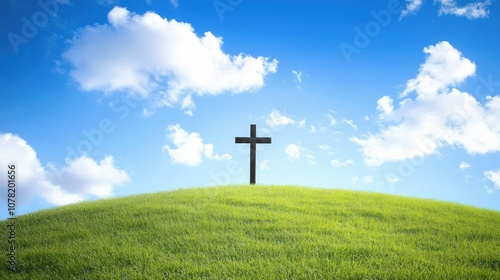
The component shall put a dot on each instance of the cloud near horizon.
(189, 147)
(82, 178)
(173, 65)
(439, 115)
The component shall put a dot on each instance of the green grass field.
(257, 232)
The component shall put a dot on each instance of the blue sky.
(103, 99)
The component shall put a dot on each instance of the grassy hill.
(258, 232)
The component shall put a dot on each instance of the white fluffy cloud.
(327, 149)
(471, 11)
(81, 178)
(150, 56)
(412, 6)
(350, 123)
(338, 163)
(464, 165)
(292, 151)
(276, 118)
(87, 177)
(384, 105)
(392, 179)
(494, 176)
(318, 128)
(444, 67)
(189, 147)
(331, 119)
(439, 114)
(298, 76)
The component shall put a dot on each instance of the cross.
(253, 140)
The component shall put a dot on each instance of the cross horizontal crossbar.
(253, 140)
(262, 140)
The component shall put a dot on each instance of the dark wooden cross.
(253, 140)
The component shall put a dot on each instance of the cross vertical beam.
(253, 140)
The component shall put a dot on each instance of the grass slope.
(258, 232)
